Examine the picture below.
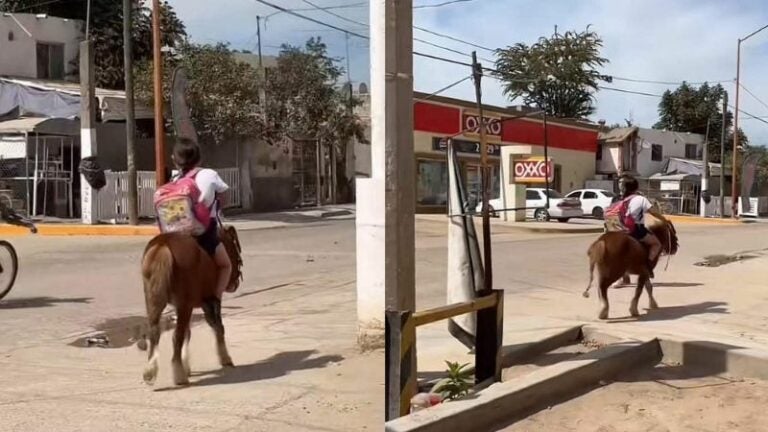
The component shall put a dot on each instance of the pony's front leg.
(180, 373)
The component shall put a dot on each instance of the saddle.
(231, 242)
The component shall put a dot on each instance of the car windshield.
(554, 194)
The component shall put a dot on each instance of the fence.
(112, 199)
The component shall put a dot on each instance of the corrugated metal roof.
(48, 126)
(617, 135)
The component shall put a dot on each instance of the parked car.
(560, 208)
(594, 202)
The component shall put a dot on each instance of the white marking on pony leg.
(179, 374)
(185, 358)
(150, 371)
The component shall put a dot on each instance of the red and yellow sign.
(532, 169)
(470, 124)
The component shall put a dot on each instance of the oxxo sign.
(532, 170)
(471, 125)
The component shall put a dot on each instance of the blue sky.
(672, 40)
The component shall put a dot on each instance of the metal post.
(157, 58)
(722, 157)
(477, 73)
(734, 168)
(546, 158)
(130, 121)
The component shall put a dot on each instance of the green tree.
(558, 74)
(107, 30)
(223, 93)
(687, 108)
(305, 101)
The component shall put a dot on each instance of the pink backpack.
(178, 206)
(619, 210)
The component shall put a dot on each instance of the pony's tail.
(157, 273)
(595, 252)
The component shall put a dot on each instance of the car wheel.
(597, 212)
(541, 215)
(563, 220)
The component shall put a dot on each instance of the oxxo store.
(571, 148)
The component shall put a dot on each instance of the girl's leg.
(225, 269)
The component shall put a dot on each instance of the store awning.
(40, 125)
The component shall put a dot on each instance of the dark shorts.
(640, 232)
(209, 240)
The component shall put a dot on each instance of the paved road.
(291, 327)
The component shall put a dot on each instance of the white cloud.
(654, 39)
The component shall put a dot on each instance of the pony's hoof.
(634, 312)
(180, 376)
(585, 294)
(653, 305)
(603, 315)
(227, 363)
(150, 375)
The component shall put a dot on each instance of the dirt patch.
(662, 398)
(125, 331)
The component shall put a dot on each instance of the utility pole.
(705, 174)
(477, 75)
(87, 129)
(734, 156)
(258, 36)
(386, 203)
(157, 57)
(262, 73)
(722, 156)
(130, 121)
(734, 176)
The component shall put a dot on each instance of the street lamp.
(734, 189)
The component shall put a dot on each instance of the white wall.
(610, 160)
(18, 57)
(673, 145)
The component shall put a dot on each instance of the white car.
(560, 208)
(594, 202)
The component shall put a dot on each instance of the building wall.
(18, 57)
(673, 145)
(609, 163)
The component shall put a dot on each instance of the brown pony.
(177, 271)
(616, 255)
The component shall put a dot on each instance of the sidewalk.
(250, 221)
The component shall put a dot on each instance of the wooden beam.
(448, 311)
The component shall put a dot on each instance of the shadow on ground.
(278, 365)
(38, 302)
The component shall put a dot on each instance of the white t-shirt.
(210, 184)
(637, 207)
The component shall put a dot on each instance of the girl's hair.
(630, 185)
(186, 154)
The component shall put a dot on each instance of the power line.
(437, 5)
(455, 39)
(753, 95)
(448, 87)
(342, 17)
(667, 82)
(628, 91)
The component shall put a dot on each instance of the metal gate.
(306, 166)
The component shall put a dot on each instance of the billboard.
(532, 169)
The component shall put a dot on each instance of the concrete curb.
(80, 230)
(564, 230)
(501, 402)
(696, 220)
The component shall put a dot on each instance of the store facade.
(572, 147)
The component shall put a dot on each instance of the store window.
(432, 183)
